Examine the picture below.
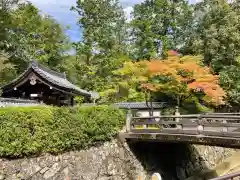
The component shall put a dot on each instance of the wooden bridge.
(218, 129)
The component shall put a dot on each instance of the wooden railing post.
(225, 129)
(200, 126)
(158, 119)
(177, 113)
(128, 120)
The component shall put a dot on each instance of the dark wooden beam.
(182, 138)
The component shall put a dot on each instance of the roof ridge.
(34, 63)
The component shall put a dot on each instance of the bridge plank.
(172, 130)
(197, 116)
(187, 122)
(183, 138)
(222, 134)
(167, 130)
(170, 116)
(146, 131)
(162, 130)
(212, 124)
(236, 130)
(190, 131)
(161, 122)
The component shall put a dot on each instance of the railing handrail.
(228, 176)
(187, 116)
(222, 113)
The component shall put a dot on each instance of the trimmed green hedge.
(35, 130)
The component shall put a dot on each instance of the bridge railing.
(6, 102)
(218, 124)
(231, 176)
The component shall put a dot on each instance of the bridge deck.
(211, 129)
(182, 138)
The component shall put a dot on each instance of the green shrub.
(35, 130)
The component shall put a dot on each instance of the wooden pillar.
(225, 129)
(177, 113)
(58, 100)
(128, 120)
(158, 119)
(94, 101)
(69, 100)
(72, 101)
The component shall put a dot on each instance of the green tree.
(39, 37)
(158, 25)
(216, 33)
(230, 81)
(7, 70)
(178, 78)
(103, 26)
(27, 35)
(103, 45)
(5, 20)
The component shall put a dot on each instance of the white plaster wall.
(145, 113)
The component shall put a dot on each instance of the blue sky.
(60, 10)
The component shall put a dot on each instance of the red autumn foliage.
(175, 76)
(187, 71)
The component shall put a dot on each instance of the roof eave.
(77, 93)
(33, 68)
(17, 80)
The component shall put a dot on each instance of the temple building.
(41, 84)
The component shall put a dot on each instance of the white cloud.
(194, 1)
(57, 3)
(130, 2)
(128, 10)
(69, 3)
(60, 10)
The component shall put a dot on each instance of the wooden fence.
(5, 102)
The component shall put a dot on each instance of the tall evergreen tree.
(103, 28)
(38, 37)
(217, 33)
(103, 45)
(7, 70)
(157, 26)
(5, 20)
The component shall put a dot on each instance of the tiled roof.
(139, 105)
(56, 78)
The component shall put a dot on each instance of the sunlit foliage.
(177, 77)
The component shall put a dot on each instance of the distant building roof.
(56, 79)
(139, 105)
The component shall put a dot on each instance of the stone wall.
(201, 158)
(116, 161)
(178, 161)
(110, 161)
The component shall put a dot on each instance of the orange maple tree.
(177, 76)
